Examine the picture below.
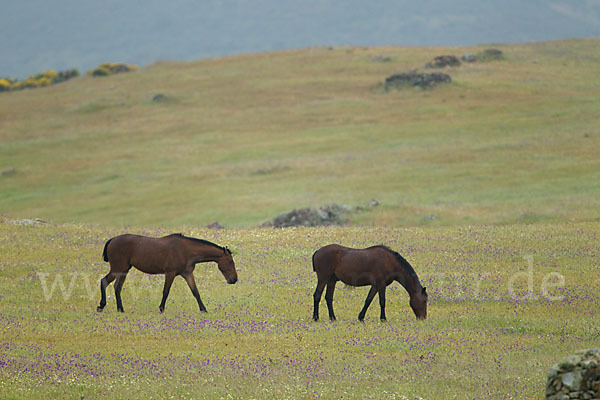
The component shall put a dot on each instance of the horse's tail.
(105, 253)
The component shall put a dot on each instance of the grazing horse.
(171, 255)
(376, 266)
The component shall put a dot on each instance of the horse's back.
(131, 246)
(354, 267)
(338, 253)
(121, 246)
(147, 254)
(371, 259)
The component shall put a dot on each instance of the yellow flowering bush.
(42, 79)
(5, 84)
(108, 68)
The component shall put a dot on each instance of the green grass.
(509, 141)
(488, 186)
(497, 322)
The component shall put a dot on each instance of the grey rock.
(443, 61)
(8, 172)
(30, 222)
(215, 225)
(415, 79)
(468, 57)
(569, 363)
(160, 98)
(592, 353)
(576, 377)
(572, 380)
(327, 215)
(553, 372)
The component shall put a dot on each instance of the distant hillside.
(69, 34)
(241, 139)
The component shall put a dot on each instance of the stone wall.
(576, 377)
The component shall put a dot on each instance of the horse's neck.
(409, 281)
(205, 253)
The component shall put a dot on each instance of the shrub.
(101, 71)
(483, 56)
(66, 75)
(490, 55)
(46, 78)
(5, 84)
(106, 69)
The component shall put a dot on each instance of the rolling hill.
(240, 139)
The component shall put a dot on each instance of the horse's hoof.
(99, 309)
(161, 310)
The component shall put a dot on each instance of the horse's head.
(418, 303)
(227, 266)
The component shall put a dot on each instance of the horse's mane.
(402, 262)
(206, 242)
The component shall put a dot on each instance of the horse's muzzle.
(231, 281)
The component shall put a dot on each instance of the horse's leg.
(118, 286)
(381, 292)
(329, 297)
(169, 276)
(104, 282)
(189, 278)
(317, 298)
(361, 315)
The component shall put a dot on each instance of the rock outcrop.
(411, 79)
(576, 377)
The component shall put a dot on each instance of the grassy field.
(506, 303)
(489, 186)
(244, 138)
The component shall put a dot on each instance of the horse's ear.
(226, 250)
(424, 291)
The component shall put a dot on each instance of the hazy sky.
(38, 35)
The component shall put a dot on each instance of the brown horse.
(377, 266)
(170, 255)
